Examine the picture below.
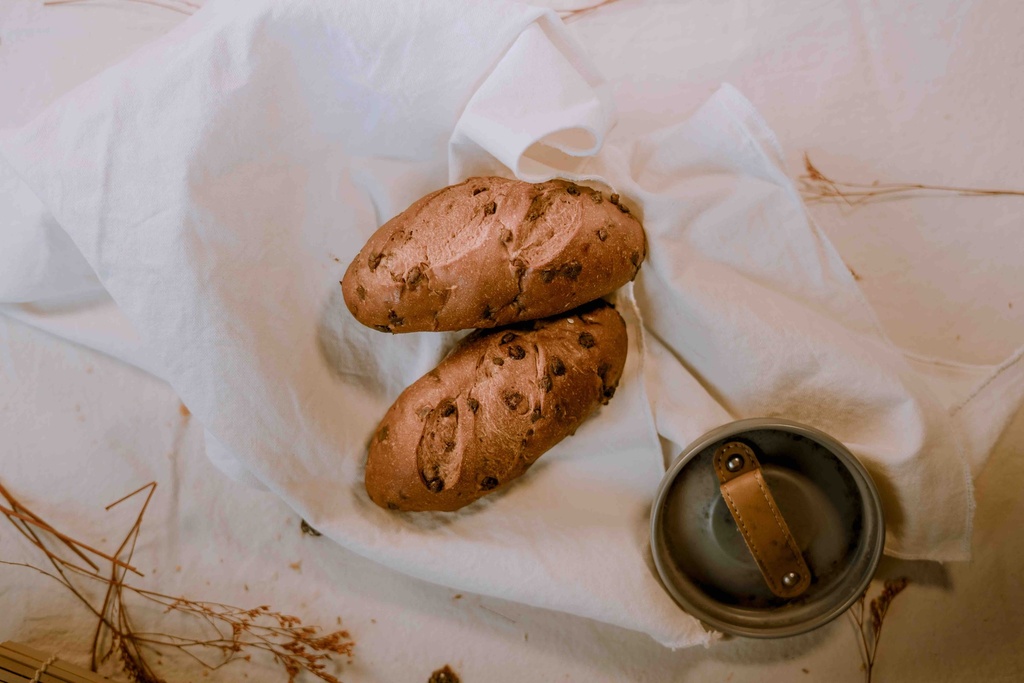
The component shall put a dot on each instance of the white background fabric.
(616, 397)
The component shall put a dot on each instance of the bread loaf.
(493, 406)
(492, 252)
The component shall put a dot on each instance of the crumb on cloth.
(444, 675)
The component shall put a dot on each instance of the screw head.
(735, 463)
(790, 579)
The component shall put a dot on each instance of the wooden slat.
(28, 671)
(6, 675)
(58, 670)
(10, 677)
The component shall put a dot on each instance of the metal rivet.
(735, 463)
(791, 579)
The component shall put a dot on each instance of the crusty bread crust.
(491, 252)
(493, 406)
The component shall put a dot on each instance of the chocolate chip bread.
(493, 406)
(492, 252)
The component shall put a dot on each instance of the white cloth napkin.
(219, 182)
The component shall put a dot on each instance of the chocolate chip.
(392, 506)
(432, 478)
(623, 208)
(413, 277)
(498, 360)
(573, 190)
(490, 209)
(535, 415)
(488, 483)
(382, 328)
(361, 292)
(557, 367)
(449, 446)
(547, 275)
(508, 337)
(559, 412)
(447, 409)
(587, 340)
(486, 315)
(382, 435)
(479, 190)
(614, 199)
(602, 234)
(608, 393)
(307, 529)
(572, 269)
(374, 261)
(506, 235)
(513, 399)
(546, 384)
(635, 258)
(602, 370)
(516, 352)
(540, 203)
(474, 405)
(529, 433)
(597, 197)
(392, 316)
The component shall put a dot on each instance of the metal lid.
(826, 497)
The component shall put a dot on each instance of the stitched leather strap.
(765, 531)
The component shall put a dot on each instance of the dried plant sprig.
(573, 14)
(869, 630)
(225, 633)
(818, 188)
(182, 6)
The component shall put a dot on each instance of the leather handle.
(758, 518)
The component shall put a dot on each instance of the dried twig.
(869, 631)
(183, 6)
(222, 633)
(818, 188)
(573, 14)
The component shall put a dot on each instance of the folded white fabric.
(219, 182)
(39, 260)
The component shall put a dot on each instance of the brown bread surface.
(491, 252)
(494, 405)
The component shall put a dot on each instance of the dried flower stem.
(869, 631)
(818, 188)
(72, 543)
(573, 14)
(227, 633)
(182, 6)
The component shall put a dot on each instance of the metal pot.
(829, 507)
